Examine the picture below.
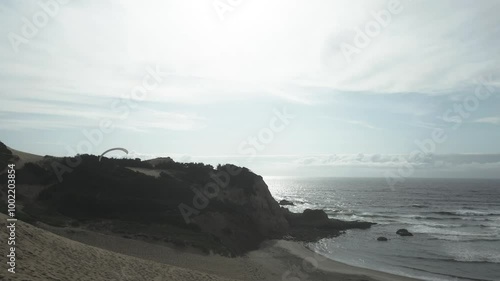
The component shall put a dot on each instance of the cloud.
(358, 123)
(399, 160)
(361, 160)
(40, 115)
(364, 165)
(56, 109)
(97, 48)
(176, 121)
(489, 120)
(362, 124)
(24, 124)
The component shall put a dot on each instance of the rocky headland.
(225, 209)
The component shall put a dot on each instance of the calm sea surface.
(455, 222)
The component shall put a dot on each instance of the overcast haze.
(283, 87)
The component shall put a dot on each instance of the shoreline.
(274, 260)
(325, 264)
(316, 266)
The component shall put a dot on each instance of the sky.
(288, 88)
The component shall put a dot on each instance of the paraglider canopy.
(113, 149)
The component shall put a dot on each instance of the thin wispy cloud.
(489, 120)
(360, 164)
(362, 124)
(166, 121)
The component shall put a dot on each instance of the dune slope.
(42, 255)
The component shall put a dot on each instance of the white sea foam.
(465, 253)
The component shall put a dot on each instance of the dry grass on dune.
(46, 256)
(24, 157)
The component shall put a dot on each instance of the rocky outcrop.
(312, 225)
(253, 215)
(404, 232)
(259, 205)
(257, 216)
(286, 203)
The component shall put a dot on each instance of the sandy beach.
(44, 256)
(76, 254)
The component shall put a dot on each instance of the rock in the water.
(313, 225)
(286, 203)
(404, 232)
(315, 215)
(382, 239)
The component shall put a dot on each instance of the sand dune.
(46, 256)
(24, 157)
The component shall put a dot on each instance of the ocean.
(455, 222)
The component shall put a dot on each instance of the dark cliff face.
(258, 204)
(253, 217)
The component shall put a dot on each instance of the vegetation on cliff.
(227, 209)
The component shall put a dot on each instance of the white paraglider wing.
(113, 149)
